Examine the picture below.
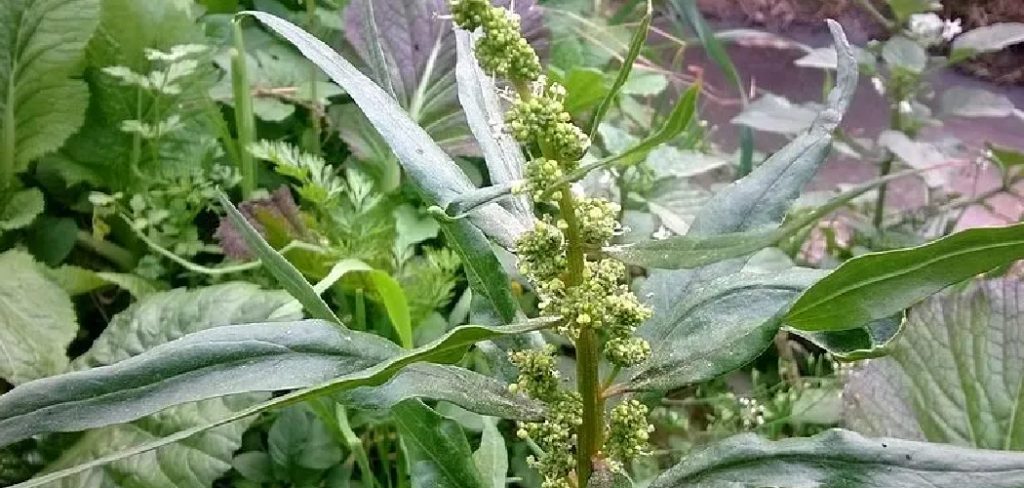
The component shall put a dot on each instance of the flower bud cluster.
(589, 296)
(502, 51)
(541, 119)
(628, 431)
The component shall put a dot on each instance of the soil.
(783, 16)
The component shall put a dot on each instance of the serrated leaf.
(954, 376)
(17, 404)
(437, 449)
(143, 326)
(20, 209)
(841, 458)
(42, 45)
(877, 285)
(37, 321)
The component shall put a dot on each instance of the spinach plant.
(705, 313)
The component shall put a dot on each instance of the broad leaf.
(437, 449)
(727, 323)
(772, 113)
(467, 389)
(37, 321)
(20, 208)
(955, 374)
(871, 340)
(992, 37)
(42, 46)
(438, 178)
(902, 53)
(143, 326)
(839, 458)
(449, 348)
(976, 102)
(417, 45)
(878, 285)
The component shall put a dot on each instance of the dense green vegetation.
(389, 243)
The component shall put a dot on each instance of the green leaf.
(491, 458)
(677, 121)
(584, 87)
(955, 374)
(871, 340)
(76, 281)
(438, 178)
(878, 285)
(775, 114)
(485, 115)
(37, 321)
(301, 446)
(903, 9)
(42, 46)
(635, 45)
(992, 37)
(1005, 157)
(470, 390)
(391, 294)
(20, 209)
(725, 324)
(762, 198)
(16, 405)
(143, 326)
(838, 458)
(51, 239)
(976, 102)
(283, 271)
(900, 52)
(437, 449)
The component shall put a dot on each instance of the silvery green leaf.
(772, 113)
(900, 52)
(976, 102)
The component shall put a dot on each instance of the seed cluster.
(601, 302)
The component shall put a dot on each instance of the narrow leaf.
(437, 449)
(491, 458)
(448, 348)
(841, 458)
(635, 45)
(485, 115)
(283, 271)
(878, 285)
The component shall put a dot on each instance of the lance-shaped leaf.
(414, 53)
(436, 447)
(438, 177)
(42, 46)
(449, 348)
(839, 458)
(727, 323)
(486, 117)
(877, 285)
(955, 375)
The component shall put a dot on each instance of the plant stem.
(874, 12)
(588, 354)
(895, 123)
(244, 121)
(314, 113)
(119, 256)
(9, 139)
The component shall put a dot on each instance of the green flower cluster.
(588, 294)
(502, 51)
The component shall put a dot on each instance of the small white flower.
(878, 84)
(951, 29)
(662, 233)
(906, 108)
